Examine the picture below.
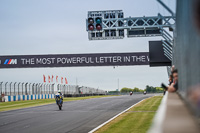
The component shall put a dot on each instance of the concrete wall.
(186, 49)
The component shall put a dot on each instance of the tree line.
(148, 89)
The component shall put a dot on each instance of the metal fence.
(25, 88)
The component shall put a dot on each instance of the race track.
(75, 117)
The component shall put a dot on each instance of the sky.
(38, 27)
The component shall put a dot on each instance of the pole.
(30, 89)
(33, 91)
(22, 88)
(6, 89)
(118, 84)
(1, 87)
(26, 93)
(14, 88)
(76, 81)
(166, 7)
(18, 88)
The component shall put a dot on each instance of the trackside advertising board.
(74, 60)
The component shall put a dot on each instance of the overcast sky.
(35, 27)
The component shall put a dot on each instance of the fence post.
(49, 88)
(36, 88)
(52, 89)
(33, 91)
(29, 88)
(64, 88)
(69, 89)
(57, 87)
(1, 87)
(41, 88)
(18, 87)
(22, 88)
(44, 88)
(10, 88)
(26, 93)
(14, 88)
(6, 89)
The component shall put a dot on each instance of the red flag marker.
(52, 78)
(61, 80)
(57, 79)
(44, 78)
(66, 82)
(49, 78)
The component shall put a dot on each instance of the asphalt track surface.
(75, 117)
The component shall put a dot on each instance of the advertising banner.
(74, 60)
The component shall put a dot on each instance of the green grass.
(5, 106)
(136, 120)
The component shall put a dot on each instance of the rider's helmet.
(59, 92)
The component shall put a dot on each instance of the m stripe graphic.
(10, 61)
(6, 61)
(13, 61)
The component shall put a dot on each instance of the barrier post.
(6, 89)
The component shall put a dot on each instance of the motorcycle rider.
(59, 96)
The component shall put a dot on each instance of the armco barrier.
(28, 97)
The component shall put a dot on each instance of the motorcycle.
(59, 102)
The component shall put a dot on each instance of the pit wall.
(186, 52)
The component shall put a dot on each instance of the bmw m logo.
(10, 61)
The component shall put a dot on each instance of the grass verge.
(5, 106)
(136, 120)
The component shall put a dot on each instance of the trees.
(159, 89)
(149, 89)
(125, 90)
(136, 89)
